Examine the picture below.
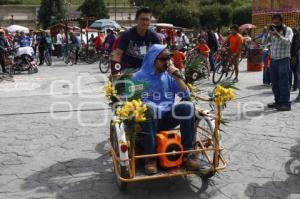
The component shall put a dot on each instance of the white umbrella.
(14, 28)
(105, 23)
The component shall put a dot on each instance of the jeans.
(153, 125)
(211, 61)
(280, 70)
(41, 54)
(2, 62)
(294, 72)
(266, 70)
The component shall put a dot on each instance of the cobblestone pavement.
(50, 149)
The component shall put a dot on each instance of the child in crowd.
(204, 50)
(178, 58)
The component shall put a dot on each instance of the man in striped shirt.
(281, 39)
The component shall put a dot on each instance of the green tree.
(225, 13)
(210, 15)
(93, 8)
(242, 15)
(224, 2)
(51, 12)
(179, 16)
(5, 2)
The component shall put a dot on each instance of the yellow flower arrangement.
(191, 88)
(109, 90)
(222, 95)
(134, 109)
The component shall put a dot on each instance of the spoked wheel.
(48, 59)
(204, 138)
(11, 70)
(30, 70)
(218, 73)
(104, 64)
(230, 72)
(70, 58)
(123, 170)
(91, 58)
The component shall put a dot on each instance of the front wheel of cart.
(204, 139)
(118, 168)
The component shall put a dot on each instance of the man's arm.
(287, 39)
(117, 55)
(172, 70)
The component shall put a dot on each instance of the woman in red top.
(204, 50)
(178, 58)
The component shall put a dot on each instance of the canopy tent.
(14, 28)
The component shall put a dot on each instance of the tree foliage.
(192, 13)
(51, 12)
(93, 8)
(179, 16)
(5, 2)
(242, 15)
(215, 15)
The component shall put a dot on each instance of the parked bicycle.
(104, 62)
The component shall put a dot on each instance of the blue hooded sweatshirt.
(160, 89)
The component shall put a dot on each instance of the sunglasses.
(164, 58)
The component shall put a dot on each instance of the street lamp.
(12, 19)
(129, 18)
(115, 10)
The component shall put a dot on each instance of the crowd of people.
(158, 56)
(129, 47)
(38, 40)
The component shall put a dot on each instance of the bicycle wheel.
(48, 59)
(104, 64)
(204, 138)
(229, 73)
(218, 73)
(91, 58)
(122, 170)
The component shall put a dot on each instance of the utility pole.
(12, 19)
(115, 10)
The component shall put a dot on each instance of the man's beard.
(278, 28)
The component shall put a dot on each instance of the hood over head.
(150, 57)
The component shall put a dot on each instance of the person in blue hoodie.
(163, 83)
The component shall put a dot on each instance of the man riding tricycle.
(156, 124)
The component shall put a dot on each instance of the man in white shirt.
(59, 40)
(181, 41)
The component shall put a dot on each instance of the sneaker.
(151, 166)
(191, 164)
(297, 98)
(294, 88)
(283, 108)
(235, 80)
(273, 105)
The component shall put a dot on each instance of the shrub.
(242, 15)
(178, 15)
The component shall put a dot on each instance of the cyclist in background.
(75, 44)
(235, 42)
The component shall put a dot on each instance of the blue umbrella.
(105, 23)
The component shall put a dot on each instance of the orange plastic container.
(169, 141)
(254, 61)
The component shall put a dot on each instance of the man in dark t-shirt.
(134, 44)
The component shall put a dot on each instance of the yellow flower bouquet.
(221, 95)
(132, 110)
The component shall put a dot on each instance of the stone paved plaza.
(54, 131)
